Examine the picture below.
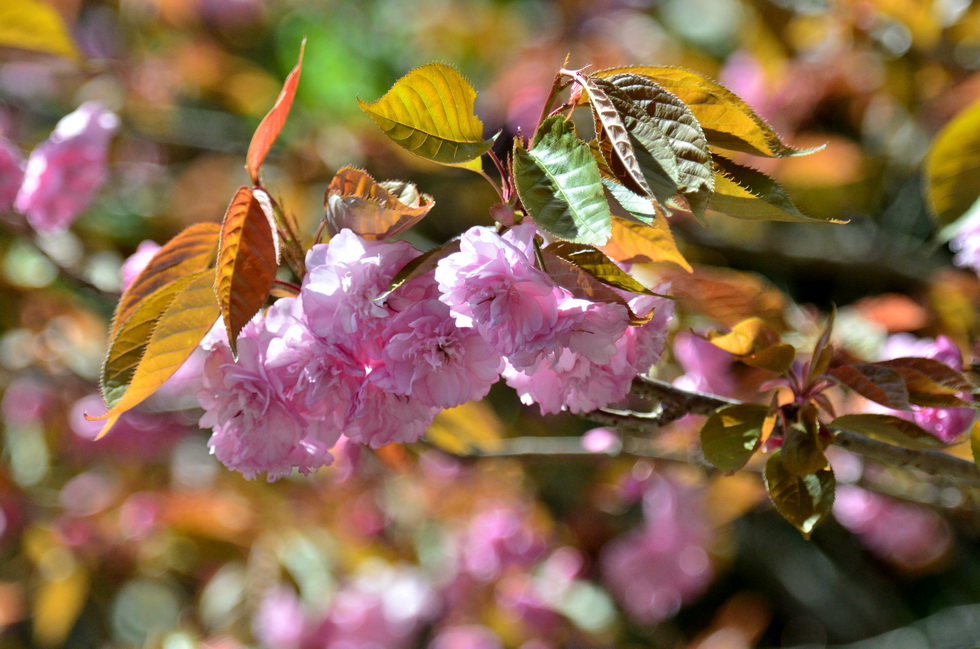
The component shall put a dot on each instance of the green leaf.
(429, 112)
(633, 207)
(823, 351)
(35, 26)
(357, 201)
(558, 183)
(655, 117)
(745, 193)
(156, 340)
(975, 443)
(727, 121)
(732, 434)
(598, 265)
(802, 500)
(873, 381)
(190, 251)
(952, 168)
(801, 452)
(889, 428)
(248, 258)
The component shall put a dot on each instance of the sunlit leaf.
(248, 257)
(429, 112)
(581, 284)
(178, 331)
(35, 26)
(745, 193)
(190, 251)
(728, 296)
(802, 450)
(732, 434)
(745, 337)
(889, 428)
(929, 375)
(467, 429)
(823, 351)
(627, 205)
(952, 167)
(598, 265)
(872, 381)
(802, 500)
(271, 125)
(776, 358)
(653, 116)
(635, 243)
(356, 201)
(558, 183)
(975, 442)
(727, 121)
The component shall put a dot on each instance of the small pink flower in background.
(945, 423)
(65, 171)
(498, 538)
(280, 622)
(706, 367)
(654, 570)
(491, 284)
(601, 440)
(966, 243)
(136, 262)
(906, 535)
(11, 174)
(472, 636)
(139, 433)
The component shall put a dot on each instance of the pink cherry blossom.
(428, 356)
(379, 417)
(11, 174)
(579, 385)
(500, 537)
(65, 171)
(136, 262)
(656, 569)
(491, 284)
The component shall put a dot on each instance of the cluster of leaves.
(798, 476)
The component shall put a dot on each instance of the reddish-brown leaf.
(271, 125)
(190, 251)
(929, 375)
(873, 381)
(373, 210)
(248, 257)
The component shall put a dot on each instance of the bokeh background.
(143, 539)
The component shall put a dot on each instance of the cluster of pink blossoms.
(348, 357)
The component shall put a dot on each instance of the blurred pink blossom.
(65, 171)
(11, 174)
(654, 570)
(500, 537)
(136, 262)
(966, 242)
(706, 367)
(906, 535)
(473, 636)
(279, 622)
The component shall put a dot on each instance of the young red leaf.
(873, 381)
(271, 125)
(248, 257)
(929, 375)
(373, 210)
(190, 251)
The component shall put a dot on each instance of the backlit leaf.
(802, 500)
(248, 257)
(35, 26)
(663, 117)
(558, 183)
(929, 375)
(635, 243)
(802, 452)
(776, 358)
(823, 351)
(889, 428)
(732, 434)
(746, 337)
(728, 296)
(429, 112)
(952, 167)
(356, 201)
(872, 381)
(271, 125)
(745, 193)
(190, 251)
(181, 326)
(727, 121)
(598, 265)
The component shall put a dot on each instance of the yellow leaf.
(471, 428)
(953, 167)
(744, 338)
(430, 112)
(636, 243)
(35, 26)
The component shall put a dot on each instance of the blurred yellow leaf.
(35, 26)
(953, 167)
(470, 428)
(636, 243)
